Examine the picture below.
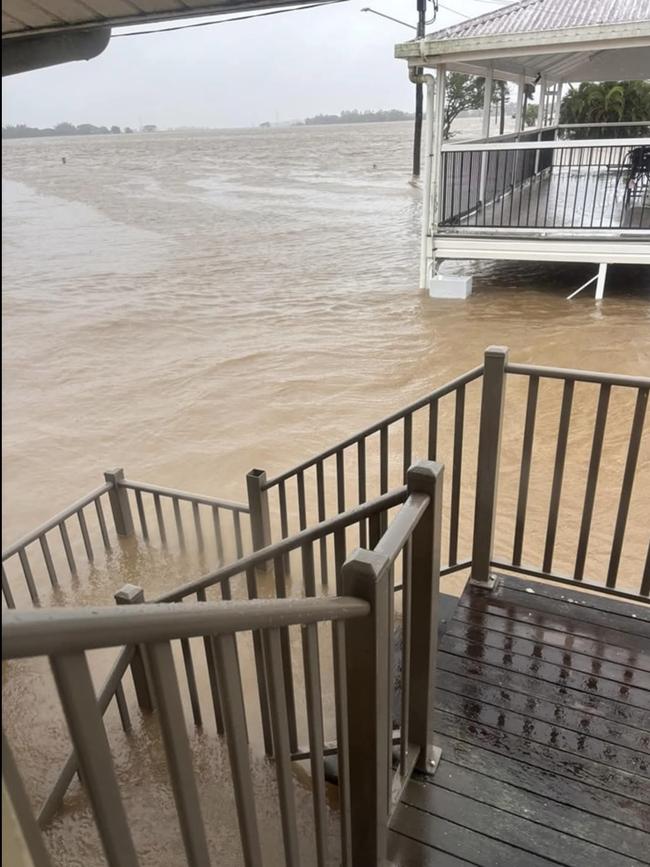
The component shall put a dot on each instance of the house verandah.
(552, 192)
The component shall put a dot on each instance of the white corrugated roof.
(529, 16)
(32, 17)
(564, 40)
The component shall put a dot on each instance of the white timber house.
(551, 192)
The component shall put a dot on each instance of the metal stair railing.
(362, 696)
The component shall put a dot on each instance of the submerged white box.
(450, 286)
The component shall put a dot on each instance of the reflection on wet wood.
(543, 716)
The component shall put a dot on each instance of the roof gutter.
(25, 53)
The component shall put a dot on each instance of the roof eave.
(432, 52)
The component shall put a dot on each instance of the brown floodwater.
(191, 306)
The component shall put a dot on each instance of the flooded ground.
(191, 306)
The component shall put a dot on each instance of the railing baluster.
(191, 681)
(320, 486)
(160, 518)
(459, 423)
(39, 856)
(85, 535)
(383, 460)
(218, 538)
(361, 474)
(645, 581)
(284, 519)
(179, 756)
(27, 572)
(75, 688)
(209, 648)
(67, 547)
(558, 473)
(281, 750)
(197, 526)
(141, 514)
(287, 665)
(524, 473)
(627, 484)
(313, 696)
(340, 481)
(408, 444)
(179, 523)
(375, 528)
(6, 590)
(340, 554)
(47, 556)
(102, 524)
(123, 708)
(302, 505)
(308, 572)
(433, 430)
(227, 662)
(239, 546)
(260, 668)
(592, 480)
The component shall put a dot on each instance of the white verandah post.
(431, 209)
(485, 131)
(519, 119)
(555, 117)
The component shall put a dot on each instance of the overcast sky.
(284, 67)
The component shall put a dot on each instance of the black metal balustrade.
(572, 185)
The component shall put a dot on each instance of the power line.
(226, 20)
(454, 11)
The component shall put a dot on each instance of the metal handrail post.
(258, 502)
(489, 448)
(424, 477)
(365, 576)
(130, 594)
(119, 500)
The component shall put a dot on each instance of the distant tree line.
(356, 116)
(21, 130)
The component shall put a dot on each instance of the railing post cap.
(129, 594)
(365, 564)
(256, 474)
(115, 475)
(422, 476)
(497, 351)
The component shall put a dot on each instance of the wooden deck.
(544, 722)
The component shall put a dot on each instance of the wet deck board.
(543, 716)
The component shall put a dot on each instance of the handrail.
(51, 631)
(148, 488)
(278, 549)
(608, 123)
(547, 145)
(448, 388)
(579, 375)
(56, 520)
(401, 527)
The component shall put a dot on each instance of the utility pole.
(417, 137)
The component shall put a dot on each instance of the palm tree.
(607, 102)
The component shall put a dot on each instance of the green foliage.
(607, 102)
(463, 92)
(532, 112)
